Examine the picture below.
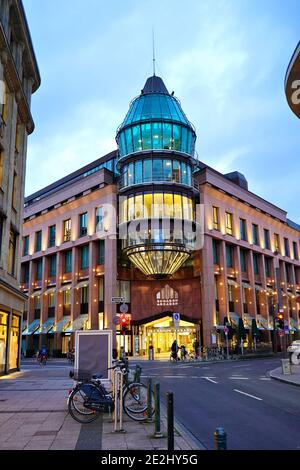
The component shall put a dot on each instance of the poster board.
(93, 352)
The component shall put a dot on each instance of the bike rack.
(118, 398)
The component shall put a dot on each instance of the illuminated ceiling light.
(158, 261)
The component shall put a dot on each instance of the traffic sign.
(124, 308)
(286, 329)
(176, 320)
(226, 329)
(117, 300)
(116, 320)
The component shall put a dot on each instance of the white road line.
(248, 395)
(264, 378)
(239, 378)
(210, 380)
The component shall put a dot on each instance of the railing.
(159, 178)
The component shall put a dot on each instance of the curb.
(281, 379)
(183, 431)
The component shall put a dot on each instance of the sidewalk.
(34, 416)
(293, 379)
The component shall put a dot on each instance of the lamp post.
(278, 304)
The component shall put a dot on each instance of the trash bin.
(151, 353)
(286, 366)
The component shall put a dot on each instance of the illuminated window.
(228, 220)
(177, 206)
(138, 206)
(67, 297)
(67, 226)
(158, 205)
(215, 218)
(276, 242)
(168, 205)
(148, 205)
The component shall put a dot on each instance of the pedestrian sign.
(176, 320)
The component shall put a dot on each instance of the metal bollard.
(170, 412)
(220, 438)
(149, 402)
(137, 373)
(157, 430)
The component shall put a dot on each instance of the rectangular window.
(215, 252)
(124, 290)
(229, 256)
(67, 225)
(52, 266)
(268, 267)
(67, 297)
(215, 218)
(167, 169)
(243, 256)
(14, 194)
(287, 273)
(101, 289)
(83, 220)
(255, 234)
(84, 295)
(101, 252)
(267, 239)
(138, 172)
(286, 247)
(1, 234)
(276, 242)
(38, 241)
(255, 263)
(148, 205)
(51, 236)
(99, 219)
(12, 252)
(39, 269)
(68, 261)
(295, 251)
(147, 170)
(25, 245)
(243, 229)
(51, 303)
(228, 220)
(1, 167)
(85, 257)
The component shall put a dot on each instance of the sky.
(225, 59)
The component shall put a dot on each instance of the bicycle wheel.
(76, 404)
(135, 401)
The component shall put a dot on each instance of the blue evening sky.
(225, 60)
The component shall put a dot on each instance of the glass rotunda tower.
(156, 145)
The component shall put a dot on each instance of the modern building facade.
(19, 78)
(151, 223)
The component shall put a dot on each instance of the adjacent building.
(19, 78)
(151, 223)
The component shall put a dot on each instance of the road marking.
(238, 378)
(248, 395)
(264, 378)
(210, 379)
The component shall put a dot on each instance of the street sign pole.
(226, 329)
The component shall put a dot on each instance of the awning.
(24, 325)
(46, 326)
(31, 328)
(231, 282)
(262, 323)
(246, 285)
(82, 284)
(36, 293)
(65, 287)
(234, 318)
(77, 324)
(61, 325)
(294, 324)
(247, 321)
(51, 290)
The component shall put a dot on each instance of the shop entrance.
(161, 333)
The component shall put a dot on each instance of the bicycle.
(89, 398)
(42, 360)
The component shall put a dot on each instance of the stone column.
(207, 290)
(93, 287)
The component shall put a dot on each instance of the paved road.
(256, 411)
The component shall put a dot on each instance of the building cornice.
(6, 286)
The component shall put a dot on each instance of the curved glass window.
(156, 205)
(156, 170)
(157, 136)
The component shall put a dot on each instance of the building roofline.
(70, 177)
(206, 167)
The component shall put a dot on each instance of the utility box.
(286, 366)
(93, 352)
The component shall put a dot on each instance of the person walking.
(174, 350)
(196, 348)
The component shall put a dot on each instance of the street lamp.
(278, 305)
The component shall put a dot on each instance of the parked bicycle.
(89, 398)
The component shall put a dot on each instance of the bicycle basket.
(82, 375)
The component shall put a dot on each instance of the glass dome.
(155, 120)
